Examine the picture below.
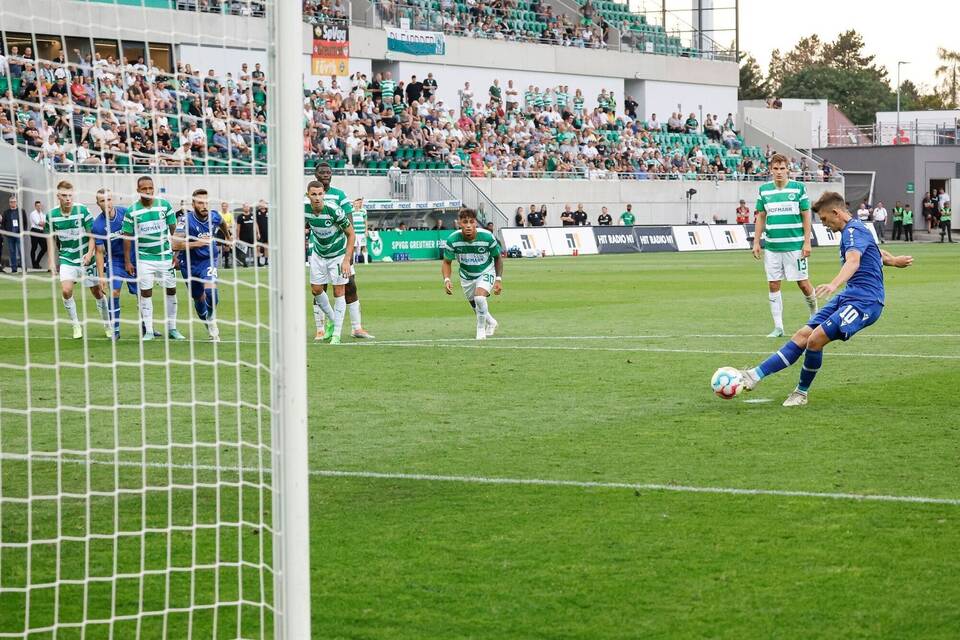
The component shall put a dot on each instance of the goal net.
(153, 479)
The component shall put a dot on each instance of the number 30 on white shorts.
(484, 281)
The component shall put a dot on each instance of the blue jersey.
(196, 229)
(866, 284)
(109, 234)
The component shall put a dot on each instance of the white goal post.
(153, 488)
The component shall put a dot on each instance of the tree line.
(844, 74)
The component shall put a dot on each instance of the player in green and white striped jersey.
(331, 238)
(337, 198)
(152, 223)
(360, 229)
(481, 268)
(69, 225)
(784, 214)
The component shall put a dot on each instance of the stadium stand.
(514, 20)
(98, 113)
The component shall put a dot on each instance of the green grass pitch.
(500, 489)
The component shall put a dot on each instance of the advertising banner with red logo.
(331, 50)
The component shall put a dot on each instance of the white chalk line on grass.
(471, 344)
(501, 481)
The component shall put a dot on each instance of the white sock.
(354, 309)
(71, 306)
(325, 305)
(171, 312)
(481, 302)
(103, 309)
(318, 316)
(811, 302)
(323, 302)
(776, 309)
(339, 309)
(146, 314)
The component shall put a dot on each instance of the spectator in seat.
(220, 145)
(711, 129)
(730, 140)
(691, 125)
(675, 124)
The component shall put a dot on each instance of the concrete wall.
(791, 127)
(817, 108)
(100, 20)
(897, 165)
(494, 54)
(654, 202)
(663, 98)
(31, 181)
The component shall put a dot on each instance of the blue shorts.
(117, 272)
(201, 274)
(842, 317)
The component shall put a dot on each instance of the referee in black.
(248, 235)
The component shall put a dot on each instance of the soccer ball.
(727, 383)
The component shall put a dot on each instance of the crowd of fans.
(93, 111)
(514, 131)
(513, 20)
(88, 111)
(325, 11)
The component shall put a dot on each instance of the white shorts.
(160, 271)
(87, 275)
(360, 242)
(327, 270)
(484, 281)
(785, 265)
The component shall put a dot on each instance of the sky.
(891, 31)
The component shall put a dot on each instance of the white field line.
(471, 344)
(483, 480)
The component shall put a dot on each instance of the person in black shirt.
(429, 86)
(181, 213)
(247, 235)
(630, 106)
(414, 90)
(518, 219)
(263, 227)
(566, 217)
(604, 219)
(535, 218)
(580, 216)
(11, 223)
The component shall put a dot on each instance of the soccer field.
(573, 477)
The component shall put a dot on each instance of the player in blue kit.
(107, 230)
(198, 262)
(857, 307)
